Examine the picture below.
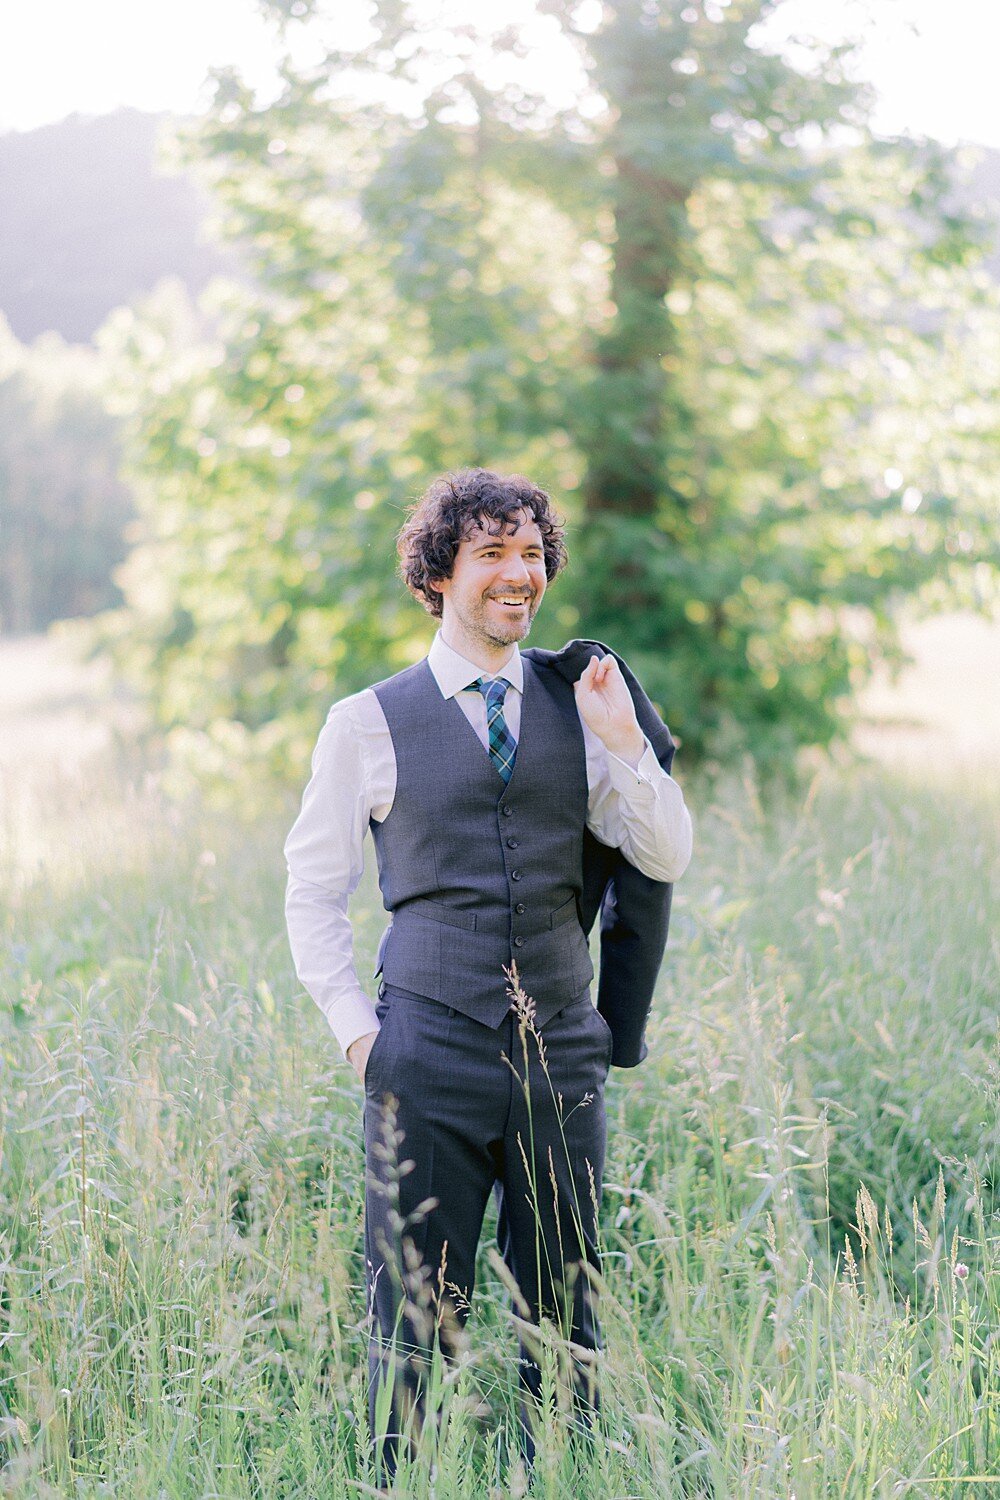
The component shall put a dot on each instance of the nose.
(515, 572)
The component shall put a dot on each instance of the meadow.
(800, 1218)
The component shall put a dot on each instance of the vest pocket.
(564, 913)
(436, 911)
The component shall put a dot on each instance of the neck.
(481, 652)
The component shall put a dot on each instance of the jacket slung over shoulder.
(634, 909)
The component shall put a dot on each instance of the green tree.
(730, 331)
(63, 507)
(765, 255)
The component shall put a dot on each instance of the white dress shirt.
(639, 810)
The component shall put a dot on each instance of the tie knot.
(493, 689)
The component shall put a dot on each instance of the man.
(479, 772)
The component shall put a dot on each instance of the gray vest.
(477, 875)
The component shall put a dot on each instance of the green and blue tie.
(503, 746)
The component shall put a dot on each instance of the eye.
(533, 554)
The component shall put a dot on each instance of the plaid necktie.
(503, 746)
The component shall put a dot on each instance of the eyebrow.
(496, 541)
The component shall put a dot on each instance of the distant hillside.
(87, 222)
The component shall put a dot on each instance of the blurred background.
(721, 276)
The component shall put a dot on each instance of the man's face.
(496, 584)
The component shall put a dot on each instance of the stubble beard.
(479, 624)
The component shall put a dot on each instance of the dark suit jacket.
(634, 910)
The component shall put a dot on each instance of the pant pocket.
(382, 1010)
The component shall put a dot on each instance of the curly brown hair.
(449, 510)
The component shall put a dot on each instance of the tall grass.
(801, 1245)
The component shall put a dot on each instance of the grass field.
(800, 1223)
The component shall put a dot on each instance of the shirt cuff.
(352, 1016)
(625, 778)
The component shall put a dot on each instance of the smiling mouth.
(508, 600)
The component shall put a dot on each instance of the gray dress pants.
(454, 1110)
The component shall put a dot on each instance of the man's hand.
(606, 707)
(358, 1052)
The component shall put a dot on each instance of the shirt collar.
(453, 673)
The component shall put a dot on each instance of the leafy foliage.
(731, 332)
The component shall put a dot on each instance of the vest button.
(512, 843)
(520, 908)
(519, 942)
(515, 874)
(506, 810)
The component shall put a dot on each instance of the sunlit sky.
(933, 62)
